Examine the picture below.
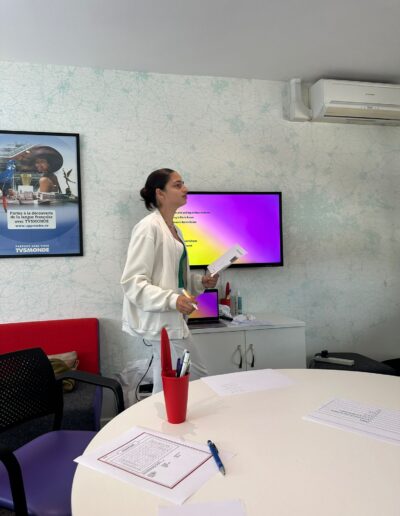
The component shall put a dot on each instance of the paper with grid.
(164, 465)
(350, 415)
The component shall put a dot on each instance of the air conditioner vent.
(356, 102)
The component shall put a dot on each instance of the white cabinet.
(222, 352)
(276, 342)
(276, 348)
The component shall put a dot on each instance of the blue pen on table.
(214, 451)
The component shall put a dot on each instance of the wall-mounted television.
(212, 222)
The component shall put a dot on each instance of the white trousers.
(197, 368)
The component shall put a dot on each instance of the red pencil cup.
(176, 392)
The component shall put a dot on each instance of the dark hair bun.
(157, 179)
(143, 192)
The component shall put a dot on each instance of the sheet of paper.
(249, 322)
(358, 417)
(224, 261)
(247, 381)
(156, 459)
(224, 508)
(161, 464)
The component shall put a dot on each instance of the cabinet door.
(277, 348)
(222, 352)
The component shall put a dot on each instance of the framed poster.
(40, 195)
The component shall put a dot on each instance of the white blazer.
(150, 281)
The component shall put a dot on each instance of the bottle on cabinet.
(239, 303)
(227, 299)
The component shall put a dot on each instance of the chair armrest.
(16, 482)
(101, 381)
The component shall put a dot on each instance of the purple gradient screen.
(212, 223)
(207, 304)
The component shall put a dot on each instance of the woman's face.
(42, 165)
(175, 192)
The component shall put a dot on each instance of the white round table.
(283, 464)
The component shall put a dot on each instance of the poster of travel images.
(40, 199)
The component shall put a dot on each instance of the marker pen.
(186, 294)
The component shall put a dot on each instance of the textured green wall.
(340, 184)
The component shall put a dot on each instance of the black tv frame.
(246, 265)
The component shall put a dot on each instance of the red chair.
(58, 336)
(82, 406)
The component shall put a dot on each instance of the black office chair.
(361, 363)
(36, 478)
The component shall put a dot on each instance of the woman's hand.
(185, 305)
(209, 281)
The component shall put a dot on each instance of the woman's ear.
(159, 195)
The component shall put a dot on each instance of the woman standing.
(156, 270)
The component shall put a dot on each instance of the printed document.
(225, 508)
(223, 262)
(161, 464)
(247, 381)
(358, 417)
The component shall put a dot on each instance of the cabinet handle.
(239, 350)
(252, 356)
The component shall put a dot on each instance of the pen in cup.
(186, 294)
(185, 364)
(178, 367)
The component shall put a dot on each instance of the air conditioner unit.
(355, 102)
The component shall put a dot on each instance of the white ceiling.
(262, 39)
